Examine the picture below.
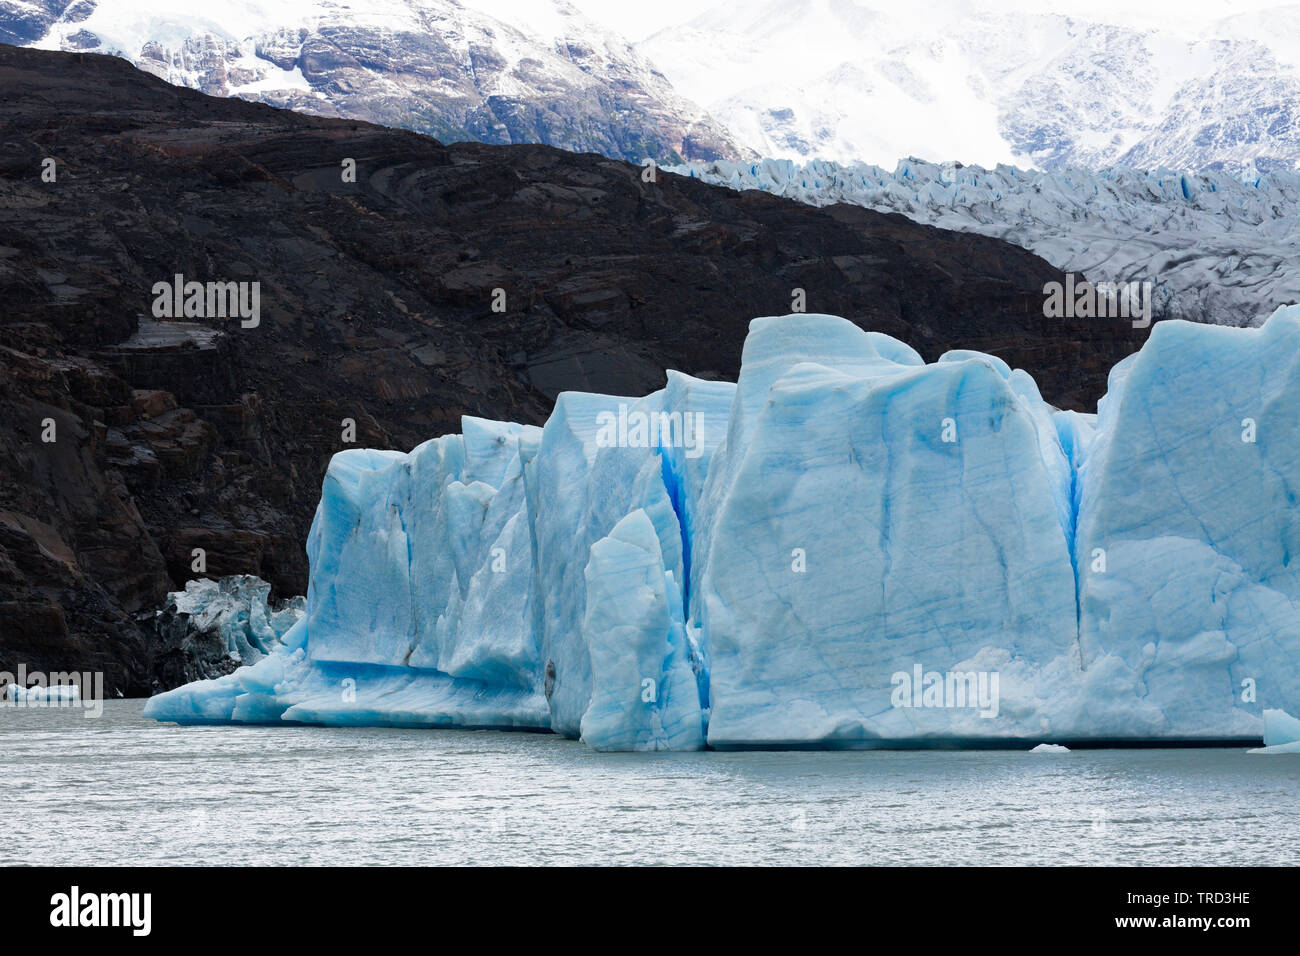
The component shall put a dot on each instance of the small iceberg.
(1281, 734)
(57, 693)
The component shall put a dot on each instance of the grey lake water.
(123, 790)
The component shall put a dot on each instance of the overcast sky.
(636, 20)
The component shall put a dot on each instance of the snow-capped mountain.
(1217, 248)
(544, 74)
(862, 81)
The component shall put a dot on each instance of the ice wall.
(1189, 526)
(848, 547)
(867, 514)
(450, 586)
(644, 695)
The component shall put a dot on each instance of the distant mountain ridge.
(948, 80)
(841, 80)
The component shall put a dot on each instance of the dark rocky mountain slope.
(376, 306)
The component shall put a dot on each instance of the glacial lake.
(123, 790)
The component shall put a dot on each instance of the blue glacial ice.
(633, 627)
(846, 548)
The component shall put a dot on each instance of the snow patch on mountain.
(531, 73)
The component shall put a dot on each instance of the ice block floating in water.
(848, 547)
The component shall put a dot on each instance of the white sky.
(636, 20)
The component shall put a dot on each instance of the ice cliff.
(847, 547)
(1213, 245)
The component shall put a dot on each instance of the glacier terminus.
(846, 548)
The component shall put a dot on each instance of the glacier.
(1214, 245)
(846, 548)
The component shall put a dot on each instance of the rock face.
(376, 324)
(432, 66)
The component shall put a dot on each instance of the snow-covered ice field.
(1216, 247)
